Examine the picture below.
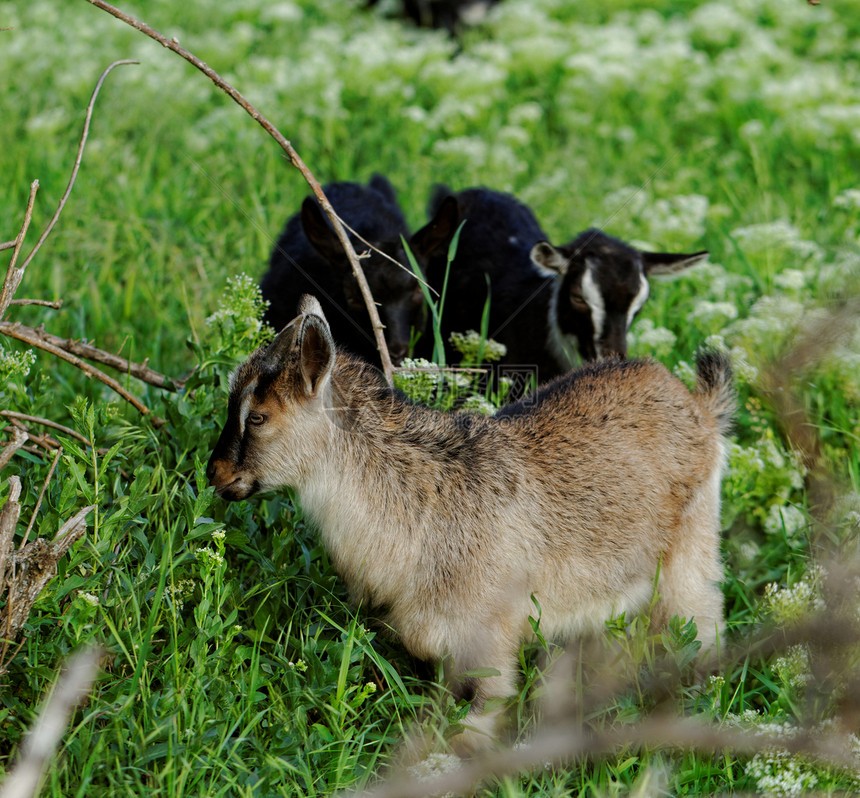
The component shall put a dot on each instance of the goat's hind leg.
(691, 571)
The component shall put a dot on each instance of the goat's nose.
(397, 351)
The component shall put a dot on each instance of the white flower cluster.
(649, 339)
(208, 557)
(848, 199)
(777, 236)
(479, 404)
(778, 773)
(179, 592)
(793, 668)
(470, 344)
(242, 302)
(788, 604)
(786, 519)
(418, 368)
(15, 364)
(435, 765)
(682, 216)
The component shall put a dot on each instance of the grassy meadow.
(234, 663)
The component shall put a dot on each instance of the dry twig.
(22, 333)
(14, 273)
(37, 336)
(46, 422)
(24, 573)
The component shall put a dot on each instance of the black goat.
(309, 258)
(545, 302)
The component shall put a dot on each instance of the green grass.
(235, 665)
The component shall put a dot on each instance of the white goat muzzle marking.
(591, 294)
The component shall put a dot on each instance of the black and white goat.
(546, 302)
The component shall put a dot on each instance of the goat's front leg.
(487, 678)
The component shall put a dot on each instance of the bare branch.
(42, 495)
(22, 333)
(82, 349)
(343, 237)
(34, 566)
(45, 422)
(44, 302)
(7, 244)
(15, 274)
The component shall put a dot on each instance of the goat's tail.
(715, 387)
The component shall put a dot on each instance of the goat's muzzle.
(228, 484)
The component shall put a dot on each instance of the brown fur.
(452, 522)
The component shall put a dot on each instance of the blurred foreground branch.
(41, 742)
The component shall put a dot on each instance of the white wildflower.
(479, 405)
(788, 519)
(653, 340)
(281, 12)
(706, 311)
(848, 199)
(793, 668)
(89, 598)
(435, 765)
(683, 215)
(778, 773)
(791, 280)
(795, 603)
(209, 557)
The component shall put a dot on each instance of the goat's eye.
(578, 301)
(256, 418)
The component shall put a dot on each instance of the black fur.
(308, 259)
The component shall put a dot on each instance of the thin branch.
(296, 161)
(15, 274)
(78, 159)
(8, 244)
(140, 371)
(388, 257)
(22, 333)
(44, 302)
(41, 495)
(45, 422)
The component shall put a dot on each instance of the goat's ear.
(320, 234)
(277, 353)
(669, 263)
(436, 235)
(309, 304)
(549, 260)
(316, 349)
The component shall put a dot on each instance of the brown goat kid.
(451, 522)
